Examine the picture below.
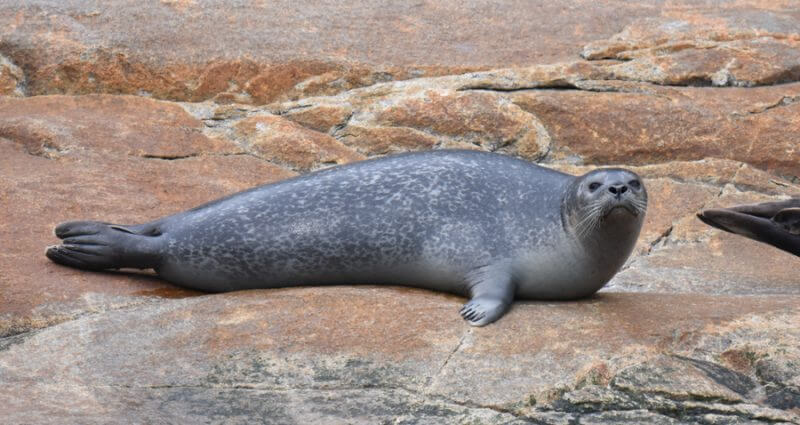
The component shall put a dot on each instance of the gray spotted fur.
(476, 224)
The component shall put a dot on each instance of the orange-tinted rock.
(706, 260)
(559, 75)
(694, 29)
(285, 142)
(65, 158)
(276, 52)
(264, 52)
(12, 78)
(713, 341)
(744, 49)
(384, 140)
(669, 202)
(673, 124)
(322, 118)
(479, 118)
(238, 354)
(278, 80)
(740, 63)
(120, 125)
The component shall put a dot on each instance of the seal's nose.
(618, 189)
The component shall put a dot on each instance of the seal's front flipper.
(94, 245)
(789, 219)
(753, 227)
(491, 294)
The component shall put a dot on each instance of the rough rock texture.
(330, 354)
(701, 99)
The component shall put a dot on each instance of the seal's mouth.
(622, 207)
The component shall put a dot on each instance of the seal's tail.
(94, 245)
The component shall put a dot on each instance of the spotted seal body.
(486, 226)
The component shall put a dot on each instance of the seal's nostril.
(618, 189)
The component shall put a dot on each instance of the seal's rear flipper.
(94, 245)
(753, 227)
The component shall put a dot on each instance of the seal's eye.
(634, 184)
(594, 186)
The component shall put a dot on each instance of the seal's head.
(610, 198)
(789, 220)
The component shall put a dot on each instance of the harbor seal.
(773, 223)
(482, 225)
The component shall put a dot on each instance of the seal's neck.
(613, 239)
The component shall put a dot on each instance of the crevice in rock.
(693, 82)
(734, 178)
(170, 157)
(543, 87)
(472, 405)
(259, 388)
(23, 326)
(679, 408)
(639, 397)
(8, 341)
(783, 101)
(455, 350)
(32, 144)
(718, 38)
(733, 380)
(340, 127)
(662, 238)
(280, 112)
(682, 408)
(201, 155)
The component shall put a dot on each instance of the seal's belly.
(268, 262)
(558, 274)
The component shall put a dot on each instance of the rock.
(705, 261)
(12, 79)
(482, 119)
(700, 326)
(370, 140)
(191, 52)
(50, 126)
(321, 118)
(121, 159)
(692, 30)
(679, 378)
(672, 124)
(230, 356)
(292, 145)
(747, 49)
(95, 51)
